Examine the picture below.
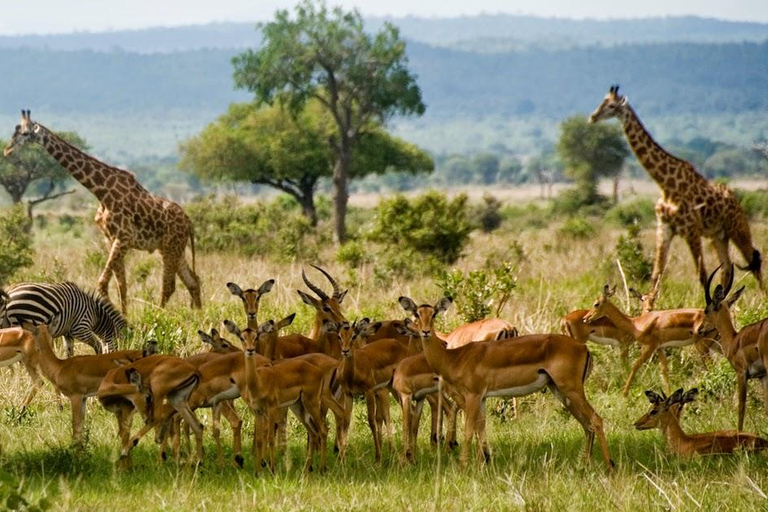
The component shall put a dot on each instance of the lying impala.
(664, 415)
(653, 331)
(746, 350)
(513, 367)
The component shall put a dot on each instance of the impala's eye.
(654, 412)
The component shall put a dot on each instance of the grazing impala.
(654, 331)
(513, 367)
(601, 331)
(664, 415)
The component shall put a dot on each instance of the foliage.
(589, 152)
(488, 214)
(640, 211)
(255, 229)
(574, 201)
(629, 251)
(477, 292)
(353, 253)
(754, 202)
(577, 228)
(16, 251)
(360, 79)
(430, 224)
(14, 496)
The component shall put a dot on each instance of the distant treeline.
(660, 79)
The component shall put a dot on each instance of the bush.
(430, 224)
(476, 293)
(629, 251)
(405, 264)
(488, 215)
(754, 202)
(640, 211)
(577, 228)
(575, 201)
(16, 251)
(353, 254)
(274, 228)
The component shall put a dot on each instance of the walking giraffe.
(690, 206)
(129, 215)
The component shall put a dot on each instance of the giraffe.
(129, 215)
(690, 206)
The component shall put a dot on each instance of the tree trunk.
(616, 180)
(340, 192)
(307, 202)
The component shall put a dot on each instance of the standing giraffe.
(129, 215)
(690, 206)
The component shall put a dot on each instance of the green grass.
(537, 458)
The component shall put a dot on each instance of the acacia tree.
(361, 80)
(272, 147)
(589, 152)
(33, 169)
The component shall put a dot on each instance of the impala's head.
(354, 336)
(249, 338)
(216, 343)
(250, 298)
(663, 409)
(26, 131)
(598, 307)
(718, 304)
(15, 342)
(422, 324)
(266, 335)
(151, 347)
(611, 106)
(326, 307)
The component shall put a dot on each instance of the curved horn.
(336, 291)
(707, 294)
(320, 293)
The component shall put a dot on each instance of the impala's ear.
(407, 304)
(408, 328)
(121, 362)
(329, 326)
(734, 297)
(635, 294)
(150, 348)
(286, 321)
(205, 337)
(443, 305)
(266, 287)
(689, 396)
(653, 397)
(341, 296)
(215, 333)
(235, 290)
(311, 301)
(29, 326)
(232, 327)
(676, 397)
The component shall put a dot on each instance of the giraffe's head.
(612, 104)
(26, 131)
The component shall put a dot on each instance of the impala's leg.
(383, 419)
(434, 416)
(645, 354)
(37, 383)
(451, 413)
(664, 367)
(472, 405)
(345, 424)
(319, 431)
(482, 444)
(741, 385)
(408, 408)
(281, 426)
(370, 402)
(191, 282)
(663, 239)
(216, 432)
(78, 416)
(229, 412)
(764, 382)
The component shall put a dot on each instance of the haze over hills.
(487, 80)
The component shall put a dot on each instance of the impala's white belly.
(229, 394)
(14, 359)
(604, 341)
(677, 343)
(540, 382)
(424, 392)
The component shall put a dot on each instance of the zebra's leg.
(84, 334)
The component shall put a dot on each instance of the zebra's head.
(110, 323)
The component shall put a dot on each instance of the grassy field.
(537, 462)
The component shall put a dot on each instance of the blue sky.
(47, 16)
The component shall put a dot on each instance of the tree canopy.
(274, 147)
(361, 80)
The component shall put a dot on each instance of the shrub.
(754, 202)
(576, 228)
(476, 293)
(353, 254)
(629, 251)
(404, 264)
(16, 251)
(640, 211)
(574, 201)
(431, 224)
(488, 214)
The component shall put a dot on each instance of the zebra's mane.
(108, 310)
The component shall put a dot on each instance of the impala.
(653, 331)
(251, 298)
(664, 415)
(746, 350)
(601, 331)
(513, 367)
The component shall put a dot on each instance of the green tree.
(589, 152)
(289, 152)
(362, 80)
(32, 169)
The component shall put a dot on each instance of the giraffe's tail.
(192, 244)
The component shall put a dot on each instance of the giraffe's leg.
(171, 260)
(191, 281)
(116, 255)
(742, 239)
(721, 246)
(693, 239)
(664, 237)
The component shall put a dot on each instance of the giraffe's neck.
(669, 172)
(87, 170)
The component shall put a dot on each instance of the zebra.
(67, 309)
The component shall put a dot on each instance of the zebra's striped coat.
(67, 310)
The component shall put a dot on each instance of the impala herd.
(407, 359)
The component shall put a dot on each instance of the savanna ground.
(537, 462)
